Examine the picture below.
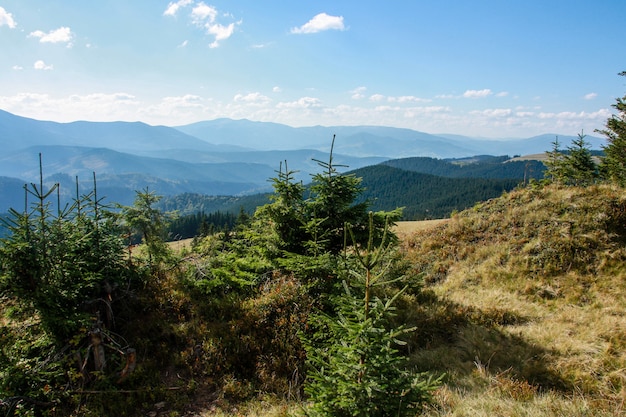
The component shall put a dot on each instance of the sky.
(482, 68)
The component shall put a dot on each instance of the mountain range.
(216, 157)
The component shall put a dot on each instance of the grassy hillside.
(525, 307)
(521, 305)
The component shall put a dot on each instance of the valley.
(236, 159)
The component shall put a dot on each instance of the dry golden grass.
(179, 245)
(524, 307)
(255, 409)
(406, 228)
(532, 289)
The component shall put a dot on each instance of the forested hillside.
(426, 196)
(425, 187)
(491, 167)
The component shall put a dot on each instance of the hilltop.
(525, 304)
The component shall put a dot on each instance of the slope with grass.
(525, 304)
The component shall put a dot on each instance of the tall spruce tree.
(613, 166)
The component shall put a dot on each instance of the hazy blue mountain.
(228, 136)
(82, 161)
(525, 146)
(118, 189)
(119, 175)
(362, 141)
(20, 132)
(11, 194)
(248, 134)
(223, 156)
(365, 141)
(303, 161)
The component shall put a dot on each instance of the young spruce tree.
(356, 369)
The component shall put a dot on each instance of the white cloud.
(425, 111)
(477, 93)
(220, 32)
(398, 99)
(17, 67)
(301, 103)
(174, 6)
(6, 19)
(407, 99)
(40, 65)
(358, 93)
(183, 44)
(205, 17)
(319, 23)
(277, 89)
(253, 99)
(102, 98)
(96, 107)
(60, 35)
(493, 112)
(590, 96)
(502, 94)
(202, 12)
(601, 114)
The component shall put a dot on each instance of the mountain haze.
(20, 132)
(224, 156)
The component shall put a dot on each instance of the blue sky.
(484, 68)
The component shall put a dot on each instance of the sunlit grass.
(533, 286)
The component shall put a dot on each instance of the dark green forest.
(426, 188)
(485, 166)
(424, 196)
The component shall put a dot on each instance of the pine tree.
(613, 165)
(333, 204)
(150, 222)
(575, 166)
(555, 171)
(356, 367)
(61, 261)
(581, 168)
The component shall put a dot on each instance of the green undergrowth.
(518, 304)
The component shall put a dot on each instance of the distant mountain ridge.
(217, 157)
(227, 135)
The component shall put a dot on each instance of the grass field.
(404, 229)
